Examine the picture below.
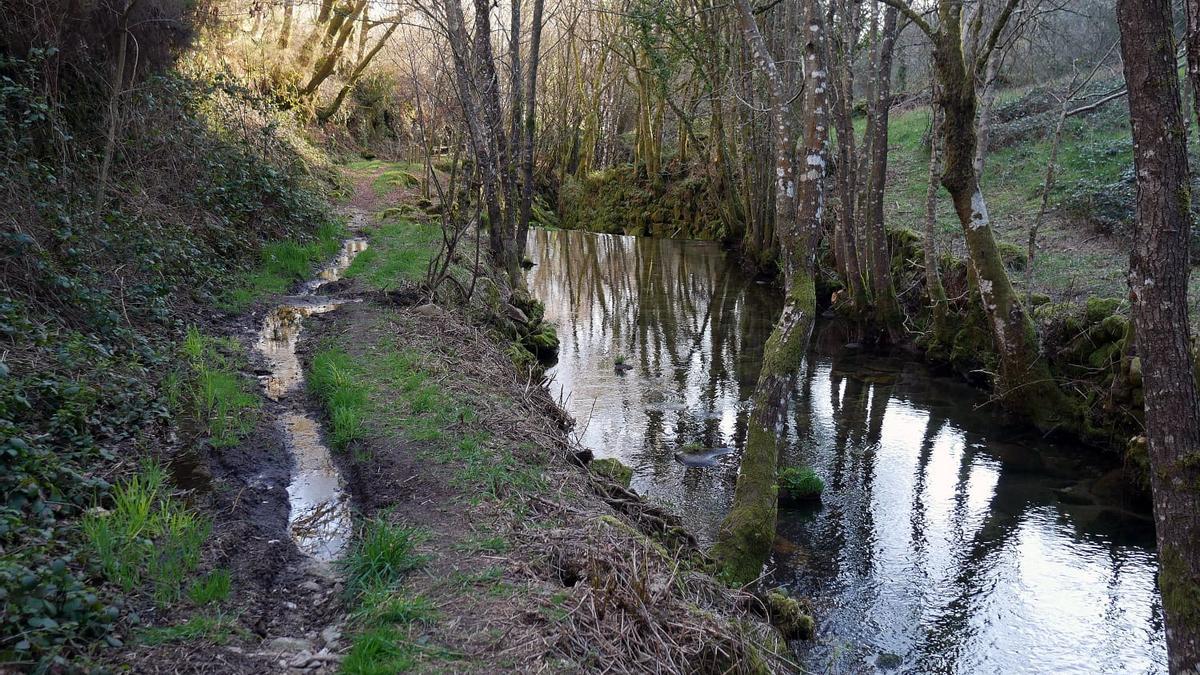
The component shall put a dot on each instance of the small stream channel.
(319, 520)
(950, 540)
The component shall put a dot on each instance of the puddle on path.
(319, 521)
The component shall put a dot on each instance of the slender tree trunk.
(744, 539)
(531, 83)
(933, 279)
(1024, 382)
(502, 230)
(324, 113)
(481, 141)
(114, 104)
(516, 131)
(887, 307)
(987, 102)
(285, 32)
(326, 65)
(846, 239)
(1047, 186)
(1158, 280)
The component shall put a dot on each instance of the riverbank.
(478, 539)
(517, 558)
(939, 512)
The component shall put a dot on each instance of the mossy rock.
(1137, 459)
(789, 616)
(1098, 309)
(800, 485)
(1105, 355)
(1014, 256)
(1115, 327)
(543, 340)
(611, 467)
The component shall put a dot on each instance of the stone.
(331, 634)
(515, 314)
(280, 645)
(310, 586)
(705, 458)
(431, 311)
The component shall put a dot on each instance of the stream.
(949, 539)
(319, 520)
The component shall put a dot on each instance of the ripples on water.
(942, 539)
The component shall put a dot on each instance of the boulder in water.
(702, 458)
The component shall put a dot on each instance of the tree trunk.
(745, 537)
(1158, 279)
(502, 247)
(481, 144)
(324, 113)
(114, 104)
(1024, 382)
(887, 307)
(285, 32)
(934, 289)
(325, 66)
(1047, 186)
(535, 47)
(845, 237)
(987, 102)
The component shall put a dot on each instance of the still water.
(948, 541)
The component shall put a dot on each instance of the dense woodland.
(999, 189)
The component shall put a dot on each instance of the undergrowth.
(149, 541)
(98, 282)
(219, 399)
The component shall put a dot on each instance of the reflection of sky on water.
(941, 539)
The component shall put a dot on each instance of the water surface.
(319, 519)
(949, 541)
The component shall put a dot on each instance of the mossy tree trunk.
(1023, 382)
(744, 539)
(887, 307)
(940, 338)
(1158, 280)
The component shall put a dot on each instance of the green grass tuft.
(337, 381)
(383, 650)
(148, 540)
(216, 628)
(375, 568)
(212, 589)
(381, 556)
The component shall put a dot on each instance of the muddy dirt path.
(319, 520)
